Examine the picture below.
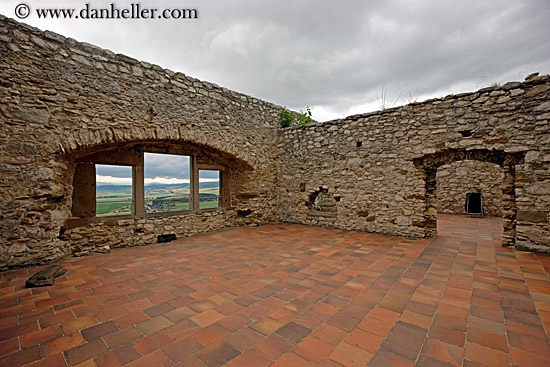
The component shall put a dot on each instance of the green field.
(117, 200)
(208, 204)
(113, 208)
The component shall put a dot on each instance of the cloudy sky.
(338, 57)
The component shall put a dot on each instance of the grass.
(109, 208)
(120, 203)
(208, 204)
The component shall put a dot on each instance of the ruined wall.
(367, 162)
(61, 99)
(455, 180)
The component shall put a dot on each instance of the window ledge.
(168, 213)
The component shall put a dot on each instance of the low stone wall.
(455, 180)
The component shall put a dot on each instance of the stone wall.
(61, 99)
(455, 180)
(381, 167)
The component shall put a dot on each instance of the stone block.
(532, 216)
(45, 276)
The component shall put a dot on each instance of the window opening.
(114, 194)
(167, 182)
(209, 189)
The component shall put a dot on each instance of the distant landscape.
(117, 199)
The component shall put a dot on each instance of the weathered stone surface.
(45, 276)
(532, 216)
(455, 180)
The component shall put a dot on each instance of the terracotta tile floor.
(288, 295)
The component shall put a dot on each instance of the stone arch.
(86, 142)
(429, 163)
(229, 157)
(81, 165)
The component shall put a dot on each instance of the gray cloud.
(334, 56)
(166, 165)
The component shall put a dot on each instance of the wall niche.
(321, 202)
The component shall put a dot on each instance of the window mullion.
(194, 184)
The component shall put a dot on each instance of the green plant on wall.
(287, 118)
(301, 119)
(304, 118)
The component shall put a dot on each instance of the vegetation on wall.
(301, 119)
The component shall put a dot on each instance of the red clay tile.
(283, 315)
(523, 358)
(153, 325)
(127, 353)
(50, 302)
(343, 321)
(529, 344)
(312, 349)
(21, 357)
(535, 331)
(157, 359)
(234, 322)
(244, 338)
(182, 329)
(19, 330)
(85, 351)
(254, 312)
(488, 326)
(454, 337)
(402, 345)
(329, 334)
(427, 361)
(99, 330)
(206, 318)
(110, 313)
(383, 314)
(109, 359)
(348, 355)
(365, 340)
(61, 344)
(250, 358)
(489, 340)
(183, 348)
(41, 336)
(217, 354)
(274, 346)
(292, 360)
(486, 313)
(211, 334)
(152, 342)
(131, 319)
(293, 332)
(487, 356)
(122, 337)
(56, 360)
(444, 352)
(10, 346)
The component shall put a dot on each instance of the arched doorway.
(429, 164)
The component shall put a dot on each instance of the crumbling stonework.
(455, 180)
(383, 165)
(62, 101)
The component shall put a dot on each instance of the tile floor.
(288, 295)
